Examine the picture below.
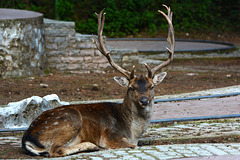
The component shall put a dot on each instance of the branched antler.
(130, 75)
(171, 41)
(102, 48)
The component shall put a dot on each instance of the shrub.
(131, 17)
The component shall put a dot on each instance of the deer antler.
(171, 41)
(102, 48)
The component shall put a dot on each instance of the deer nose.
(143, 101)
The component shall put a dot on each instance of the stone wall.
(69, 51)
(21, 44)
(30, 46)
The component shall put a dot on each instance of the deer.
(76, 128)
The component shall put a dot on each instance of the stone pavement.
(170, 133)
(162, 152)
(159, 152)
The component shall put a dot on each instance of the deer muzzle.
(144, 101)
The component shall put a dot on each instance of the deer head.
(140, 88)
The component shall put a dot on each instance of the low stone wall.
(31, 45)
(69, 51)
(21, 43)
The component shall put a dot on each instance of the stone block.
(100, 60)
(55, 53)
(73, 67)
(54, 24)
(97, 53)
(72, 59)
(85, 45)
(74, 53)
(87, 52)
(53, 60)
(60, 32)
(88, 59)
(59, 40)
(60, 66)
(71, 40)
(49, 39)
(134, 57)
(85, 38)
(89, 66)
(104, 66)
(51, 46)
(80, 71)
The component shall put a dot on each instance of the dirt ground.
(209, 74)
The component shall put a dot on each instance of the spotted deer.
(89, 127)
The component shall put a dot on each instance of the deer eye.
(151, 88)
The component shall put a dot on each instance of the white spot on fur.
(55, 123)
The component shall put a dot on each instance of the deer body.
(61, 131)
(87, 127)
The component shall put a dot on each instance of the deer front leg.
(120, 143)
(81, 147)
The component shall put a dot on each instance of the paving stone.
(150, 151)
(159, 154)
(130, 158)
(200, 151)
(96, 158)
(134, 151)
(167, 157)
(163, 148)
(120, 152)
(107, 155)
(145, 156)
(215, 150)
(173, 153)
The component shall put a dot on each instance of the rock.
(95, 87)
(22, 113)
(43, 85)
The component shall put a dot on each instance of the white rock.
(22, 113)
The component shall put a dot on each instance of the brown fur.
(76, 128)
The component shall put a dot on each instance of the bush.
(131, 17)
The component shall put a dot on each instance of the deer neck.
(140, 117)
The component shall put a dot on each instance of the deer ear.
(122, 81)
(158, 78)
